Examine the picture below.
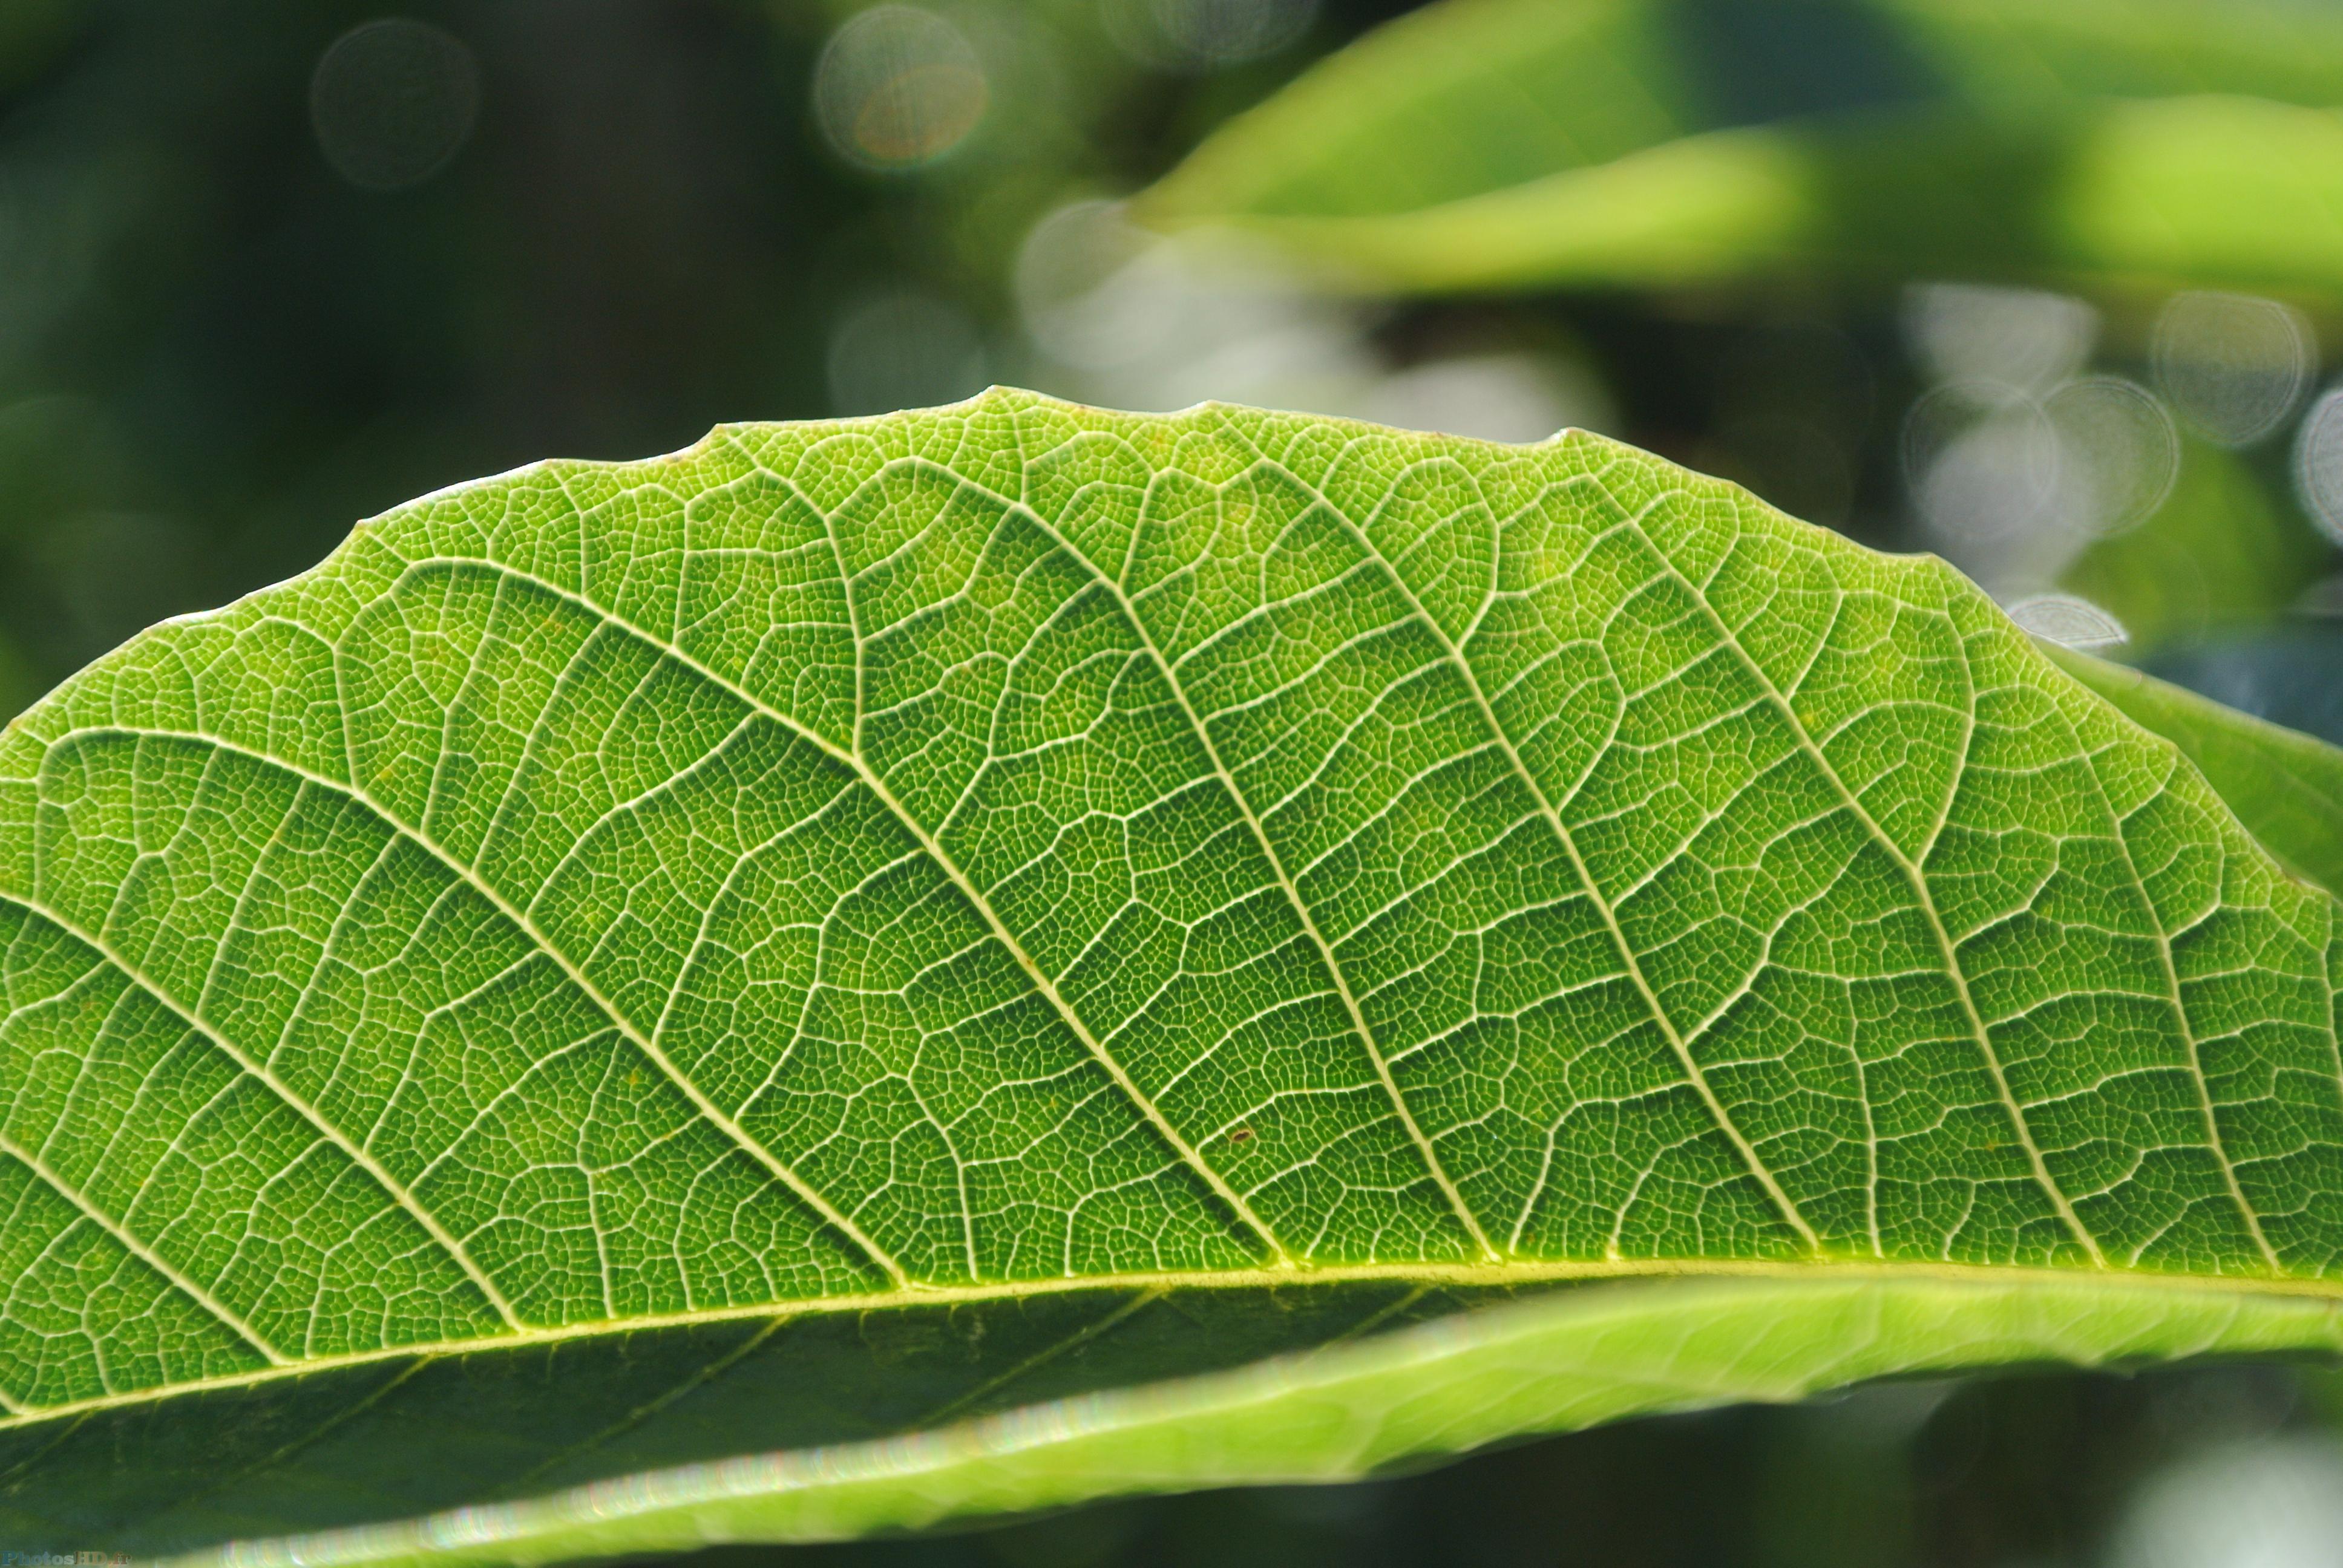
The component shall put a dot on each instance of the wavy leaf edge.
(2265, 1308)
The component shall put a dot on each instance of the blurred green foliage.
(2026, 1469)
(2222, 551)
(2139, 145)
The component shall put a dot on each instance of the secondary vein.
(1913, 876)
(1546, 809)
(586, 987)
(146, 1254)
(2171, 976)
(1285, 880)
(851, 757)
(392, 1188)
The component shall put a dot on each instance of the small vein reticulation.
(1292, 846)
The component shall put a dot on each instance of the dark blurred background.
(267, 269)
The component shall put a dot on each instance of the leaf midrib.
(849, 758)
(1819, 1269)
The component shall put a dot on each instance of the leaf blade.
(1571, 1361)
(2285, 787)
(1080, 860)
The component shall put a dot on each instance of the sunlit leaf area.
(1666, 891)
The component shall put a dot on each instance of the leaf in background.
(2284, 673)
(2220, 552)
(788, 988)
(2285, 787)
(1492, 144)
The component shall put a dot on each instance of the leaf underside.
(2128, 146)
(856, 927)
(2285, 787)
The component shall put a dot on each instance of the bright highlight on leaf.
(802, 946)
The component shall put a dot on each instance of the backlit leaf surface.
(2285, 786)
(859, 930)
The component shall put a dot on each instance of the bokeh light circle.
(2068, 621)
(2118, 449)
(2267, 1502)
(1094, 289)
(903, 350)
(1204, 35)
(2319, 464)
(392, 100)
(2015, 340)
(1981, 462)
(897, 87)
(2232, 365)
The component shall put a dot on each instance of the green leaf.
(1578, 1358)
(872, 972)
(2285, 787)
(2125, 144)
